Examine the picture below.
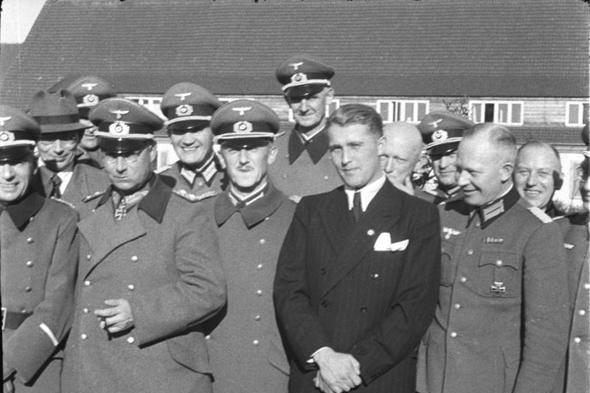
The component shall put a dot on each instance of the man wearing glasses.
(302, 166)
(62, 176)
(149, 272)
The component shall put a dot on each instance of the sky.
(17, 18)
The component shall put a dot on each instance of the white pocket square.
(383, 243)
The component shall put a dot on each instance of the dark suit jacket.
(333, 289)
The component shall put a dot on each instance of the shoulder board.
(162, 169)
(64, 202)
(91, 197)
(541, 215)
(194, 198)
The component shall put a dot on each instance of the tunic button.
(131, 287)
(499, 262)
(257, 318)
(577, 340)
(87, 283)
(83, 336)
(375, 276)
(259, 292)
(208, 337)
(262, 241)
(453, 334)
(200, 183)
(23, 310)
(255, 342)
(371, 232)
(130, 340)
(457, 306)
(463, 279)
(326, 177)
(29, 263)
(85, 310)
(134, 258)
(587, 285)
(470, 252)
(259, 266)
(89, 256)
(29, 240)
(582, 312)
(28, 289)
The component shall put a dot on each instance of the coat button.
(257, 318)
(371, 232)
(463, 279)
(259, 266)
(577, 340)
(587, 285)
(85, 310)
(255, 342)
(89, 256)
(499, 262)
(83, 336)
(134, 258)
(469, 252)
(582, 312)
(28, 289)
(131, 287)
(87, 283)
(453, 334)
(375, 276)
(259, 292)
(262, 241)
(130, 340)
(29, 263)
(457, 306)
(208, 337)
(29, 240)
(326, 177)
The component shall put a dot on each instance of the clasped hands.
(338, 372)
(116, 318)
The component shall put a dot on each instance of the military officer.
(502, 317)
(38, 258)
(252, 218)
(188, 108)
(302, 166)
(62, 176)
(88, 91)
(537, 176)
(150, 272)
(442, 132)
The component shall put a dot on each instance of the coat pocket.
(190, 351)
(499, 274)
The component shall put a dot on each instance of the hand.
(116, 318)
(321, 384)
(8, 386)
(340, 371)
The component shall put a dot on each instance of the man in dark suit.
(357, 275)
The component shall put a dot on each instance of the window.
(330, 108)
(574, 114)
(411, 111)
(501, 112)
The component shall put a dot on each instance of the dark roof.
(500, 48)
(8, 54)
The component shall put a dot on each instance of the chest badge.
(448, 232)
(493, 240)
(498, 288)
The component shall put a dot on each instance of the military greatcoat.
(303, 168)
(246, 350)
(86, 181)
(162, 257)
(501, 322)
(39, 252)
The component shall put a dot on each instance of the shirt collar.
(261, 207)
(368, 192)
(156, 200)
(207, 170)
(22, 211)
(490, 212)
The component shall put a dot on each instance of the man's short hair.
(357, 114)
(499, 136)
(536, 143)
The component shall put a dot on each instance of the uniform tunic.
(501, 321)
(206, 183)
(303, 169)
(86, 181)
(162, 257)
(577, 362)
(39, 251)
(245, 347)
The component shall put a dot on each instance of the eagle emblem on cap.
(242, 109)
(439, 135)
(184, 110)
(90, 99)
(89, 86)
(119, 113)
(119, 127)
(3, 120)
(243, 126)
(296, 65)
(6, 136)
(299, 77)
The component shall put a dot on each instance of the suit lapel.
(337, 219)
(77, 187)
(381, 216)
(104, 234)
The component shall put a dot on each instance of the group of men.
(263, 262)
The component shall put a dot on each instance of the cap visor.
(15, 153)
(123, 145)
(302, 91)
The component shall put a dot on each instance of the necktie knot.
(55, 186)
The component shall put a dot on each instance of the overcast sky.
(17, 19)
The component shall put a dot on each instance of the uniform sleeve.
(401, 329)
(296, 315)
(36, 339)
(546, 308)
(196, 295)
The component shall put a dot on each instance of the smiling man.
(62, 176)
(189, 108)
(38, 260)
(537, 175)
(302, 166)
(502, 318)
(357, 275)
